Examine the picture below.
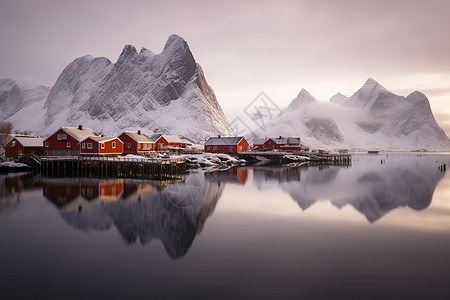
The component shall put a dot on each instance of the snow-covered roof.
(76, 132)
(100, 139)
(168, 138)
(259, 141)
(285, 141)
(293, 141)
(139, 137)
(224, 141)
(30, 141)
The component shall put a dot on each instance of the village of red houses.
(74, 141)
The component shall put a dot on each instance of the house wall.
(162, 142)
(59, 147)
(11, 151)
(109, 147)
(19, 150)
(129, 145)
(241, 146)
(85, 150)
(97, 147)
(146, 147)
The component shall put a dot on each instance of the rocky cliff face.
(165, 93)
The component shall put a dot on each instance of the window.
(46, 144)
(129, 145)
(214, 147)
(61, 136)
(83, 146)
(20, 152)
(114, 145)
(68, 144)
(13, 144)
(89, 145)
(231, 148)
(103, 145)
(208, 147)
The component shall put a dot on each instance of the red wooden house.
(101, 145)
(280, 143)
(136, 142)
(66, 140)
(226, 144)
(168, 142)
(20, 145)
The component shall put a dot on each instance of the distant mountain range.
(168, 93)
(372, 118)
(163, 93)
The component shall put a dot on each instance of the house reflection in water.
(173, 212)
(232, 175)
(69, 195)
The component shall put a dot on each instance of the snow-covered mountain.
(18, 99)
(372, 118)
(163, 93)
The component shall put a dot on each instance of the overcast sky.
(246, 47)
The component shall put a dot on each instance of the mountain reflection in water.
(173, 212)
(373, 185)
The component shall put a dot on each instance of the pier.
(275, 157)
(112, 167)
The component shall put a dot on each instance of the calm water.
(379, 229)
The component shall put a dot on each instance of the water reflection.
(171, 211)
(11, 188)
(174, 212)
(373, 185)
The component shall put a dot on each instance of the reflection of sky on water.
(399, 186)
(257, 243)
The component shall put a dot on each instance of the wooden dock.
(112, 167)
(275, 157)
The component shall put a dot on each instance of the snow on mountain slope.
(372, 118)
(163, 93)
(159, 93)
(300, 119)
(15, 96)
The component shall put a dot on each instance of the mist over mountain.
(372, 118)
(164, 93)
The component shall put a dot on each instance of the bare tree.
(5, 130)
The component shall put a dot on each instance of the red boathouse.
(136, 142)
(226, 144)
(167, 142)
(101, 145)
(66, 141)
(20, 145)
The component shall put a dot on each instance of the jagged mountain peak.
(128, 52)
(162, 93)
(146, 52)
(303, 98)
(175, 42)
(339, 98)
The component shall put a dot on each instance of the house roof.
(224, 141)
(259, 141)
(168, 138)
(284, 141)
(140, 138)
(100, 139)
(30, 141)
(76, 133)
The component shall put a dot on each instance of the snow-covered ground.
(10, 166)
(212, 160)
